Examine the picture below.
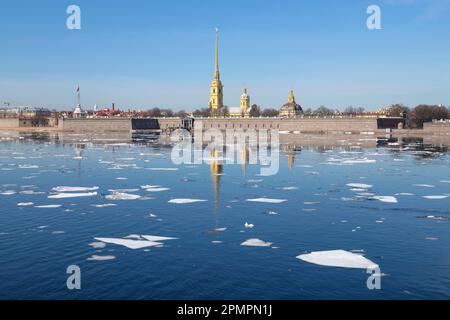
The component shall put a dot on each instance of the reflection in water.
(245, 157)
(78, 148)
(216, 167)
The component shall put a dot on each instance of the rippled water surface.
(331, 194)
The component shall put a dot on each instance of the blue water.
(37, 245)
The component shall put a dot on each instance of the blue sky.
(159, 53)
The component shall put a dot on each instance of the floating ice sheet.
(386, 199)
(122, 196)
(185, 201)
(157, 238)
(25, 204)
(338, 258)
(105, 205)
(267, 200)
(131, 244)
(101, 258)
(441, 197)
(359, 185)
(49, 206)
(72, 195)
(97, 245)
(74, 189)
(256, 243)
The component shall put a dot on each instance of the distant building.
(291, 109)
(244, 108)
(79, 113)
(25, 112)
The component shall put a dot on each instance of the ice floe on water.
(359, 186)
(441, 197)
(101, 258)
(72, 195)
(134, 241)
(25, 204)
(157, 238)
(97, 245)
(405, 194)
(49, 206)
(424, 185)
(28, 166)
(122, 196)
(256, 243)
(249, 225)
(385, 199)
(338, 258)
(105, 205)
(8, 193)
(130, 244)
(74, 189)
(267, 200)
(185, 201)
(157, 189)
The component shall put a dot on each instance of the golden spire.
(216, 70)
(291, 98)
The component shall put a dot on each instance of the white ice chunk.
(386, 199)
(49, 206)
(359, 185)
(122, 196)
(72, 195)
(157, 238)
(131, 244)
(105, 205)
(101, 258)
(267, 200)
(97, 245)
(338, 258)
(157, 189)
(424, 185)
(185, 201)
(435, 197)
(256, 243)
(25, 204)
(74, 189)
(249, 225)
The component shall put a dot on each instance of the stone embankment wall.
(95, 125)
(9, 123)
(438, 128)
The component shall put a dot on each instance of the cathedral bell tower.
(216, 95)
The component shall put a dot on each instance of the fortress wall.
(337, 125)
(9, 122)
(169, 123)
(437, 128)
(95, 125)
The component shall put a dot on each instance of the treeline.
(419, 115)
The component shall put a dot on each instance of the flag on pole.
(78, 94)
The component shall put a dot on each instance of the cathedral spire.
(216, 70)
